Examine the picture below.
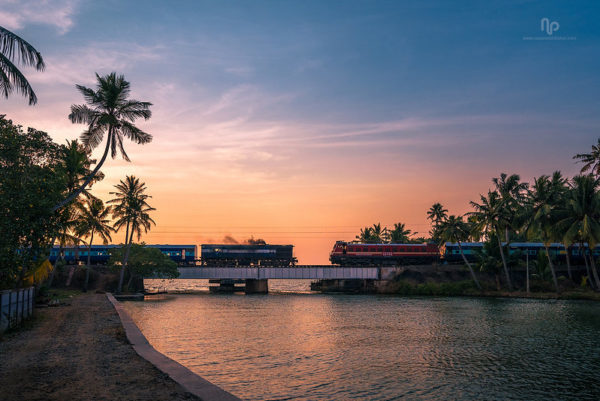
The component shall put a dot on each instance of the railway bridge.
(256, 277)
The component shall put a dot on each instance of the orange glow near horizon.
(304, 184)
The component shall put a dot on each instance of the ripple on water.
(321, 347)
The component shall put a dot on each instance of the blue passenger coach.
(451, 252)
(181, 254)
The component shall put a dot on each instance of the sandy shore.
(79, 352)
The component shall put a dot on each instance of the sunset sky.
(301, 121)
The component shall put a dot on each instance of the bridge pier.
(224, 286)
(257, 286)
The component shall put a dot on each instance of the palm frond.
(13, 79)
(121, 148)
(16, 48)
(134, 133)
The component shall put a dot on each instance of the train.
(187, 255)
(343, 254)
(351, 253)
(451, 251)
(247, 255)
(363, 254)
(183, 255)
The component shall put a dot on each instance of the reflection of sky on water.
(322, 347)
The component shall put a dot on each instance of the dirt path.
(79, 352)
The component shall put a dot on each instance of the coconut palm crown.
(14, 49)
(591, 161)
(108, 112)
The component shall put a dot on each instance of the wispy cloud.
(78, 65)
(16, 14)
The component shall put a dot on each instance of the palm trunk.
(527, 273)
(50, 278)
(89, 178)
(130, 280)
(551, 268)
(587, 265)
(125, 258)
(469, 265)
(126, 232)
(593, 268)
(504, 264)
(568, 249)
(87, 271)
(58, 257)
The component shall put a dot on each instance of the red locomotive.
(353, 253)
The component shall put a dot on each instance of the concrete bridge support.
(225, 286)
(257, 286)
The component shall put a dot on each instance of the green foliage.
(591, 161)
(29, 186)
(437, 214)
(378, 235)
(488, 258)
(130, 207)
(144, 262)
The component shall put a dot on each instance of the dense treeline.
(46, 198)
(551, 209)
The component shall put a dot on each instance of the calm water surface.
(324, 347)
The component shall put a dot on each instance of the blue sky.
(383, 107)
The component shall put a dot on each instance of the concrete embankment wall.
(193, 383)
(15, 306)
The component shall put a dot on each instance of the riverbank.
(79, 352)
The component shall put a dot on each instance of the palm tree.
(131, 210)
(109, 112)
(75, 165)
(512, 192)
(15, 49)
(543, 201)
(580, 218)
(437, 214)
(488, 261)
(400, 234)
(591, 160)
(366, 235)
(490, 217)
(454, 229)
(66, 236)
(93, 219)
(377, 233)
